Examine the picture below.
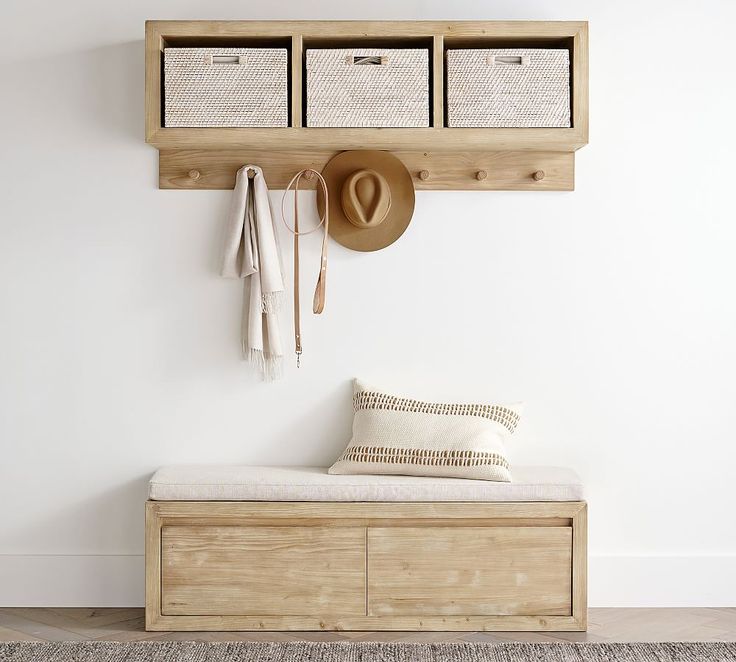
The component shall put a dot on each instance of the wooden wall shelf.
(512, 159)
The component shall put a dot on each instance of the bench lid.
(246, 483)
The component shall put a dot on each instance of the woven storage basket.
(225, 87)
(512, 87)
(368, 87)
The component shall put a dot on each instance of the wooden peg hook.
(424, 175)
(538, 175)
(194, 175)
(481, 175)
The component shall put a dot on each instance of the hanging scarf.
(252, 253)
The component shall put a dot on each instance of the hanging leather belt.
(318, 304)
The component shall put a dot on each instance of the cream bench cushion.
(247, 483)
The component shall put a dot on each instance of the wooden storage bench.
(256, 548)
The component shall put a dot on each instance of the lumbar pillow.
(398, 435)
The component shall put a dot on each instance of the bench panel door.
(262, 570)
(470, 571)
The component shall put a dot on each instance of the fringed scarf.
(252, 253)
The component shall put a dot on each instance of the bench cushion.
(245, 483)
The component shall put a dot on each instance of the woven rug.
(186, 651)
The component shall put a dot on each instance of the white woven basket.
(511, 87)
(225, 87)
(368, 87)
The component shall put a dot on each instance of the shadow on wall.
(79, 101)
(115, 75)
(100, 90)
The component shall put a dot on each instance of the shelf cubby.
(439, 157)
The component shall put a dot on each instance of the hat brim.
(338, 169)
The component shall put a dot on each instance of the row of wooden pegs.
(424, 175)
(480, 175)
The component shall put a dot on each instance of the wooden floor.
(71, 624)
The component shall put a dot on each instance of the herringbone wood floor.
(72, 624)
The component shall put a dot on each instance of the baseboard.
(614, 581)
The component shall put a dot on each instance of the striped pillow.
(397, 435)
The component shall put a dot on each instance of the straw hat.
(371, 199)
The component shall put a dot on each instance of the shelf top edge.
(368, 22)
(309, 28)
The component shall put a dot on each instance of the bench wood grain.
(461, 571)
(365, 566)
(270, 570)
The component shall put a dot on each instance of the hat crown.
(366, 198)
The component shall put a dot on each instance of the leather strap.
(318, 303)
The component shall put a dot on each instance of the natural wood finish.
(341, 30)
(332, 522)
(451, 140)
(469, 572)
(153, 566)
(153, 86)
(229, 557)
(295, 88)
(438, 81)
(441, 33)
(580, 84)
(170, 512)
(275, 571)
(316, 145)
(606, 625)
(513, 171)
(366, 623)
(580, 567)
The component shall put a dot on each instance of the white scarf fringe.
(271, 367)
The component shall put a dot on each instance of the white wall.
(610, 310)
